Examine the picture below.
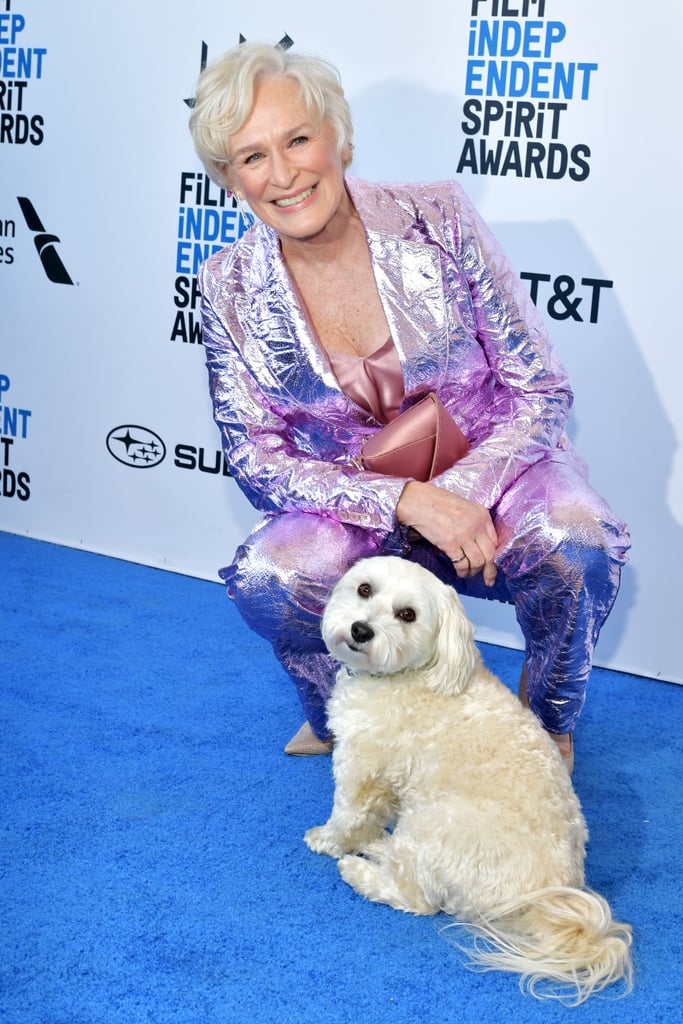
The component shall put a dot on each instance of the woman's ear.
(226, 183)
(229, 188)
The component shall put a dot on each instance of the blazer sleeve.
(525, 412)
(260, 448)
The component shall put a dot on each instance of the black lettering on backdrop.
(563, 303)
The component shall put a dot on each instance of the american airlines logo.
(44, 243)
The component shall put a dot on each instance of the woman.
(346, 304)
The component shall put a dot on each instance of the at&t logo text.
(566, 298)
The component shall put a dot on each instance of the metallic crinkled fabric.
(465, 327)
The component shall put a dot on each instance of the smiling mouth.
(293, 200)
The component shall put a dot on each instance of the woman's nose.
(282, 173)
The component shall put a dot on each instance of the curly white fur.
(449, 796)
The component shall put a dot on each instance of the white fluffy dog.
(449, 795)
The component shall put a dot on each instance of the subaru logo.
(136, 446)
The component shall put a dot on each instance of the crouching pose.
(344, 305)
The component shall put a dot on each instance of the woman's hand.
(461, 528)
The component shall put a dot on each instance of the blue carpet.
(152, 867)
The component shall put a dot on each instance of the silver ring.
(456, 560)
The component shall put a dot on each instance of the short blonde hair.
(225, 96)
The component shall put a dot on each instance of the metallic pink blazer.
(463, 325)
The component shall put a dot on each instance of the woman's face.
(285, 163)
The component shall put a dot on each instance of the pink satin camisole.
(374, 382)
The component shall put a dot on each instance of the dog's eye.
(406, 615)
(365, 590)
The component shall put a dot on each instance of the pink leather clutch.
(421, 443)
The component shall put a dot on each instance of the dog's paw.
(322, 839)
(363, 875)
(378, 883)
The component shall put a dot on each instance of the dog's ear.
(456, 655)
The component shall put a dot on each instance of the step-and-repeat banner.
(559, 117)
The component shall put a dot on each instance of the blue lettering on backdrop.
(19, 66)
(18, 61)
(208, 220)
(517, 58)
(199, 223)
(510, 39)
(538, 79)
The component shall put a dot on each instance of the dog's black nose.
(361, 632)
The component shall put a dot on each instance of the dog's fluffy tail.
(564, 943)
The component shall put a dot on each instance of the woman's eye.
(365, 590)
(299, 140)
(406, 615)
(253, 158)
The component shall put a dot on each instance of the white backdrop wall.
(559, 117)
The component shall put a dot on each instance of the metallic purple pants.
(559, 560)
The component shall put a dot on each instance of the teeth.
(295, 199)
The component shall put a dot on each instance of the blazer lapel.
(409, 280)
(408, 276)
(275, 321)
